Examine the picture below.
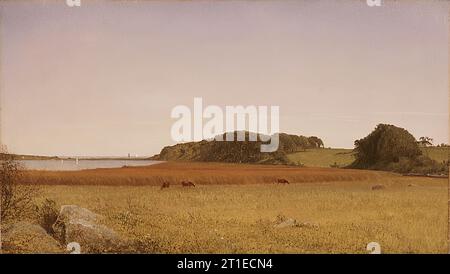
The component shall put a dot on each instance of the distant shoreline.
(40, 158)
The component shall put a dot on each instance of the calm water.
(82, 164)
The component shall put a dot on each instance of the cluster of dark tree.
(393, 148)
(239, 151)
(425, 141)
(292, 143)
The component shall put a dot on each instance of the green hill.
(293, 150)
(323, 157)
(238, 151)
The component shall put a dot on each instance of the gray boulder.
(80, 225)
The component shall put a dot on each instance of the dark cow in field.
(165, 185)
(282, 181)
(187, 184)
(378, 187)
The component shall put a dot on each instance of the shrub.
(16, 199)
(47, 215)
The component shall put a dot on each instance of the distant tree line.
(239, 151)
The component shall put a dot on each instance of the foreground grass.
(240, 218)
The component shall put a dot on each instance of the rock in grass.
(25, 237)
(80, 225)
(286, 223)
(293, 223)
(308, 225)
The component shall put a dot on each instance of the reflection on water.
(82, 164)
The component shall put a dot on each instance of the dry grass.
(233, 218)
(200, 173)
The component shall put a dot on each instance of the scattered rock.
(80, 225)
(293, 223)
(286, 223)
(378, 187)
(25, 237)
(308, 225)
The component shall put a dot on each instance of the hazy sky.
(102, 79)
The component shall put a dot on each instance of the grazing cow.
(165, 185)
(378, 187)
(282, 181)
(187, 184)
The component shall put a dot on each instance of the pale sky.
(103, 78)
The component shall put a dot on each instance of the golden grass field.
(234, 208)
(200, 173)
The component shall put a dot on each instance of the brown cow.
(282, 181)
(165, 185)
(378, 187)
(187, 184)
